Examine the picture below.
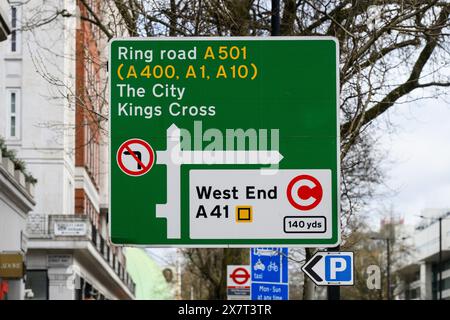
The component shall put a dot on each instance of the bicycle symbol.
(272, 267)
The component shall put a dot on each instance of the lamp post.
(388, 263)
(440, 258)
(388, 268)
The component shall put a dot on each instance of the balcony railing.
(76, 227)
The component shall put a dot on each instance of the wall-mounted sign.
(59, 260)
(11, 265)
(77, 229)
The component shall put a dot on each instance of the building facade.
(53, 79)
(419, 278)
(16, 201)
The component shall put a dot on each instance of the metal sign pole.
(334, 292)
(440, 259)
(275, 19)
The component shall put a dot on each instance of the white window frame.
(16, 114)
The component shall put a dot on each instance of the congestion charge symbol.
(135, 157)
(304, 192)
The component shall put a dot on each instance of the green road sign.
(224, 142)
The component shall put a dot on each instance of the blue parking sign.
(338, 268)
(327, 268)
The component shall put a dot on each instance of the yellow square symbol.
(244, 214)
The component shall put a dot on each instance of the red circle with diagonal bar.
(140, 161)
(240, 276)
(299, 198)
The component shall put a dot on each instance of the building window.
(412, 294)
(102, 246)
(94, 236)
(79, 291)
(13, 115)
(91, 151)
(13, 96)
(13, 32)
(88, 293)
(14, 39)
(37, 281)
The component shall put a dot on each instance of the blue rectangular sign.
(269, 273)
(269, 291)
(338, 268)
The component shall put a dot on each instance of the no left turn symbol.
(135, 157)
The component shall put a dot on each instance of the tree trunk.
(173, 19)
(239, 16)
(308, 285)
(289, 15)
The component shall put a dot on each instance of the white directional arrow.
(228, 157)
(171, 210)
(173, 157)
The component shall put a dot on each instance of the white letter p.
(337, 265)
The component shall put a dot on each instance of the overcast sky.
(417, 159)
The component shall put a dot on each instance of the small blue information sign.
(269, 268)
